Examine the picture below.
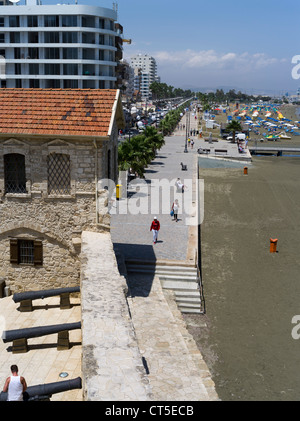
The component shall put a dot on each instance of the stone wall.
(112, 365)
(56, 220)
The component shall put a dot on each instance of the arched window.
(59, 176)
(14, 173)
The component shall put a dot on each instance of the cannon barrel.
(34, 295)
(34, 332)
(48, 389)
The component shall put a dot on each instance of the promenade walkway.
(131, 232)
(214, 147)
(175, 367)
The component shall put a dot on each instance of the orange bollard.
(245, 170)
(273, 245)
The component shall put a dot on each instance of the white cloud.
(213, 68)
(206, 58)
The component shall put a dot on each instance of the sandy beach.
(251, 294)
(288, 111)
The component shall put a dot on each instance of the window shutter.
(14, 251)
(38, 252)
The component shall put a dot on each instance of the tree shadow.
(157, 163)
(148, 171)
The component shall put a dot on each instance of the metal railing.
(200, 284)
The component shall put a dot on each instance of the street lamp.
(187, 130)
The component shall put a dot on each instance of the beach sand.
(289, 111)
(251, 294)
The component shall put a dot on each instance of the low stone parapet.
(112, 366)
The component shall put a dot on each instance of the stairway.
(181, 279)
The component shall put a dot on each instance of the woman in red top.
(155, 226)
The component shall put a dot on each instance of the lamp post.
(187, 130)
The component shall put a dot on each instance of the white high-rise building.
(145, 70)
(58, 46)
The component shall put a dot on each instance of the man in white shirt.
(15, 385)
(179, 185)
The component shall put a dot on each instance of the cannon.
(45, 391)
(25, 298)
(19, 336)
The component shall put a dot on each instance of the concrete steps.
(180, 278)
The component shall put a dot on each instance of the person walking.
(15, 385)
(179, 185)
(155, 227)
(175, 208)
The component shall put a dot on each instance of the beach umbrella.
(280, 115)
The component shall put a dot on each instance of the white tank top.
(15, 389)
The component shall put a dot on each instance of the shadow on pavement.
(139, 261)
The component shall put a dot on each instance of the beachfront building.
(59, 46)
(126, 76)
(145, 73)
(57, 148)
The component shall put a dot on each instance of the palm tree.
(153, 138)
(139, 151)
(234, 126)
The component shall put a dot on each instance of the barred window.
(14, 173)
(28, 252)
(59, 177)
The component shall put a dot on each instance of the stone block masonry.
(55, 219)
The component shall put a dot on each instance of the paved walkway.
(175, 367)
(216, 147)
(131, 233)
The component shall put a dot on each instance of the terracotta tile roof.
(81, 112)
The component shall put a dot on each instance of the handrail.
(199, 280)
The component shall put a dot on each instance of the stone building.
(55, 148)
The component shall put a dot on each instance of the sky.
(203, 44)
